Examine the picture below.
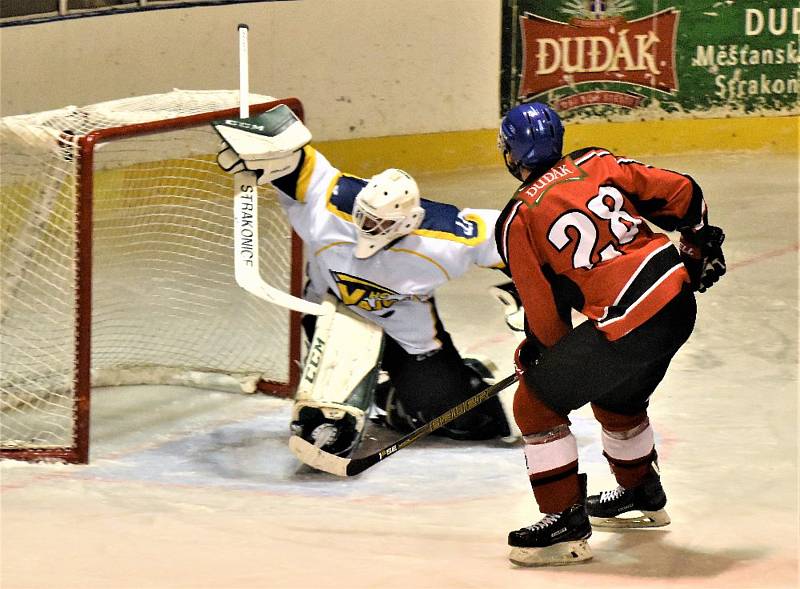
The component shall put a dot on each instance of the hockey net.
(117, 265)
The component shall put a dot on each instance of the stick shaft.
(245, 213)
(244, 72)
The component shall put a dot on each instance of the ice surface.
(196, 489)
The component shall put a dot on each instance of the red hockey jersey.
(576, 238)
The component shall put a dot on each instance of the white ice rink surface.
(196, 489)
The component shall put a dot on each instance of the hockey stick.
(245, 215)
(346, 467)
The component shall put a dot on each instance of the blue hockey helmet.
(531, 136)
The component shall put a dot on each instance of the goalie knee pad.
(488, 420)
(410, 407)
(485, 422)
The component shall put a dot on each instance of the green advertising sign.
(628, 59)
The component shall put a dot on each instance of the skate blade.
(648, 519)
(563, 553)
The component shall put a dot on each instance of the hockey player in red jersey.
(574, 236)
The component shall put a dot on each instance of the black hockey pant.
(618, 376)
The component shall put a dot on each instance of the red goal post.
(117, 265)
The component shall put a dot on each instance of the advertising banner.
(631, 60)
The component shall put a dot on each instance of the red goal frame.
(79, 451)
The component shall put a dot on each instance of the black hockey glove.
(701, 253)
(525, 357)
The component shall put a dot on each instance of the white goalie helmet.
(387, 208)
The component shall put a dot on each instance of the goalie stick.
(346, 467)
(245, 214)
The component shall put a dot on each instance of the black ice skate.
(609, 508)
(557, 539)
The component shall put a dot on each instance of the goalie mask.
(386, 209)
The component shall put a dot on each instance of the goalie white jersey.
(395, 287)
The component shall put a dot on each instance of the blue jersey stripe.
(344, 193)
(447, 220)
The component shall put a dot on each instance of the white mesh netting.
(165, 306)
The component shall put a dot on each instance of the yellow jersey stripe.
(481, 226)
(330, 245)
(304, 178)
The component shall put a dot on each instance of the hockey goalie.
(376, 253)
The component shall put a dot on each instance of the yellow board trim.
(777, 134)
(463, 149)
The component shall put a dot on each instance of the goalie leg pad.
(338, 381)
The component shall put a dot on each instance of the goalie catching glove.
(268, 144)
(701, 253)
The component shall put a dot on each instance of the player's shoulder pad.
(501, 228)
(343, 195)
(566, 170)
(603, 157)
(586, 154)
(445, 221)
